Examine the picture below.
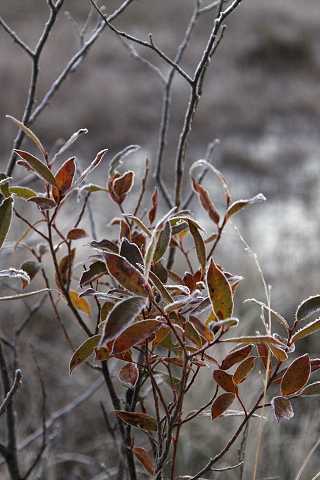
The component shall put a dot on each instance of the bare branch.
(16, 37)
(150, 44)
(14, 387)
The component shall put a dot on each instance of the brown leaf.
(145, 458)
(192, 334)
(313, 389)
(131, 252)
(202, 329)
(121, 316)
(236, 356)
(129, 374)
(220, 292)
(43, 203)
(64, 178)
(206, 202)
(137, 419)
(296, 376)
(76, 234)
(279, 353)
(65, 268)
(199, 244)
(83, 352)
(126, 274)
(153, 210)
(95, 271)
(225, 381)
(244, 369)
(32, 268)
(135, 334)
(282, 408)
(221, 404)
(121, 186)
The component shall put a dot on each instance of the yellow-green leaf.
(22, 192)
(83, 352)
(5, 218)
(37, 166)
(307, 330)
(220, 292)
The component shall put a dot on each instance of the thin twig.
(9, 395)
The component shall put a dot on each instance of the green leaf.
(37, 166)
(163, 242)
(5, 218)
(121, 316)
(307, 330)
(83, 352)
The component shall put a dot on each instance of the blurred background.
(261, 100)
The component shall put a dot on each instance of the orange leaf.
(126, 274)
(137, 419)
(63, 179)
(135, 334)
(145, 458)
(80, 303)
(219, 292)
(225, 381)
(244, 369)
(296, 376)
(221, 404)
